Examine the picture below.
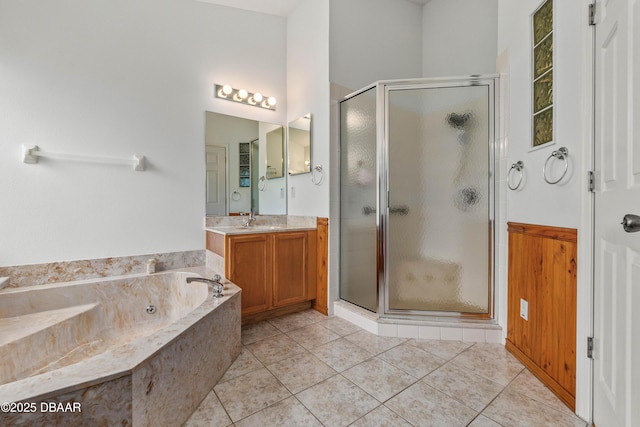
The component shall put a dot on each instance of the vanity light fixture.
(244, 97)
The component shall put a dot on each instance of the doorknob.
(631, 223)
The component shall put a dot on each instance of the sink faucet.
(250, 219)
(215, 284)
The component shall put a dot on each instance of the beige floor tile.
(515, 410)
(381, 417)
(274, 349)
(337, 401)
(527, 384)
(258, 331)
(373, 343)
(341, 354)
(297, 320)
(286, 413)
(244, 363)
(209, 413)
(301, 371)
(250, 393)
(474, 391)
(312, 335)
(446, 350)
(340, 326)
(482, 421)
(423, 405)
(379, 378)
(491, 361)
(412, 360)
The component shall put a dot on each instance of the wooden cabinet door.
(250, 267)
(291, 252)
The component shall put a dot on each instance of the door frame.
(586, 244)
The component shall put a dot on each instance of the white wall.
(567, 204)
(113, 79)
(538, 202)
(459, 37)
(308, 92)
(374, 40)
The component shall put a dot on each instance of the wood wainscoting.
(322, 281)
(542, 272)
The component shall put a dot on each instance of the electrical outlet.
(524, 309)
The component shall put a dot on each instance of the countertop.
(254, 229)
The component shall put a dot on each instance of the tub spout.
(215, 284)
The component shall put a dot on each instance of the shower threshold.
(435, 328)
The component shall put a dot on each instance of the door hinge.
(590, 347)
(592, 181)
(592, 14)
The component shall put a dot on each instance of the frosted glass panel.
(438, 245)
(358, 233)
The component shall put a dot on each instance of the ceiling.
(273, 7)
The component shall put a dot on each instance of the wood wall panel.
(322, 267)
(542, 271)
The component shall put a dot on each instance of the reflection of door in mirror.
(275, 153)
(216, 180)
(231, 132)
(299, 145)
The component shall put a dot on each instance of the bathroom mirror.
(236, 167)
(275, 153)
(299, 145)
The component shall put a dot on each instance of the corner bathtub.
(131, 350)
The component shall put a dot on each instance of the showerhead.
(458, 121)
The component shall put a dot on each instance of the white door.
(216, 180)
(617, 253)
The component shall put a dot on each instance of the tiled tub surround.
(65, 271)
(104, 351)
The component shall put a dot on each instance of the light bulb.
(242, 94)
(271, 101)
(257, 97)
(226, 89)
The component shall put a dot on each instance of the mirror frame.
(300, 124)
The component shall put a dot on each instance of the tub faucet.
(250, 219)
(215, 284)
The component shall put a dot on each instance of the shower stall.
(417, 198)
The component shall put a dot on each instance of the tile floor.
(306, 369)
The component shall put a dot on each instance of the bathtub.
(128, 350)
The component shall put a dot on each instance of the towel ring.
(561, 154)
(262, 182)
(518, 166)
(317, 171)
(235, 196)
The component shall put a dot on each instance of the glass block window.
(543, 74)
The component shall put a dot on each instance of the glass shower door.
(439, 216)
(358, 199)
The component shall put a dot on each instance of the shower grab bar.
(368, 210)
(561, 154)
(519, 167)
(31, 153)
(400, 210)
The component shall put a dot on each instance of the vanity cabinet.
(275, 270)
